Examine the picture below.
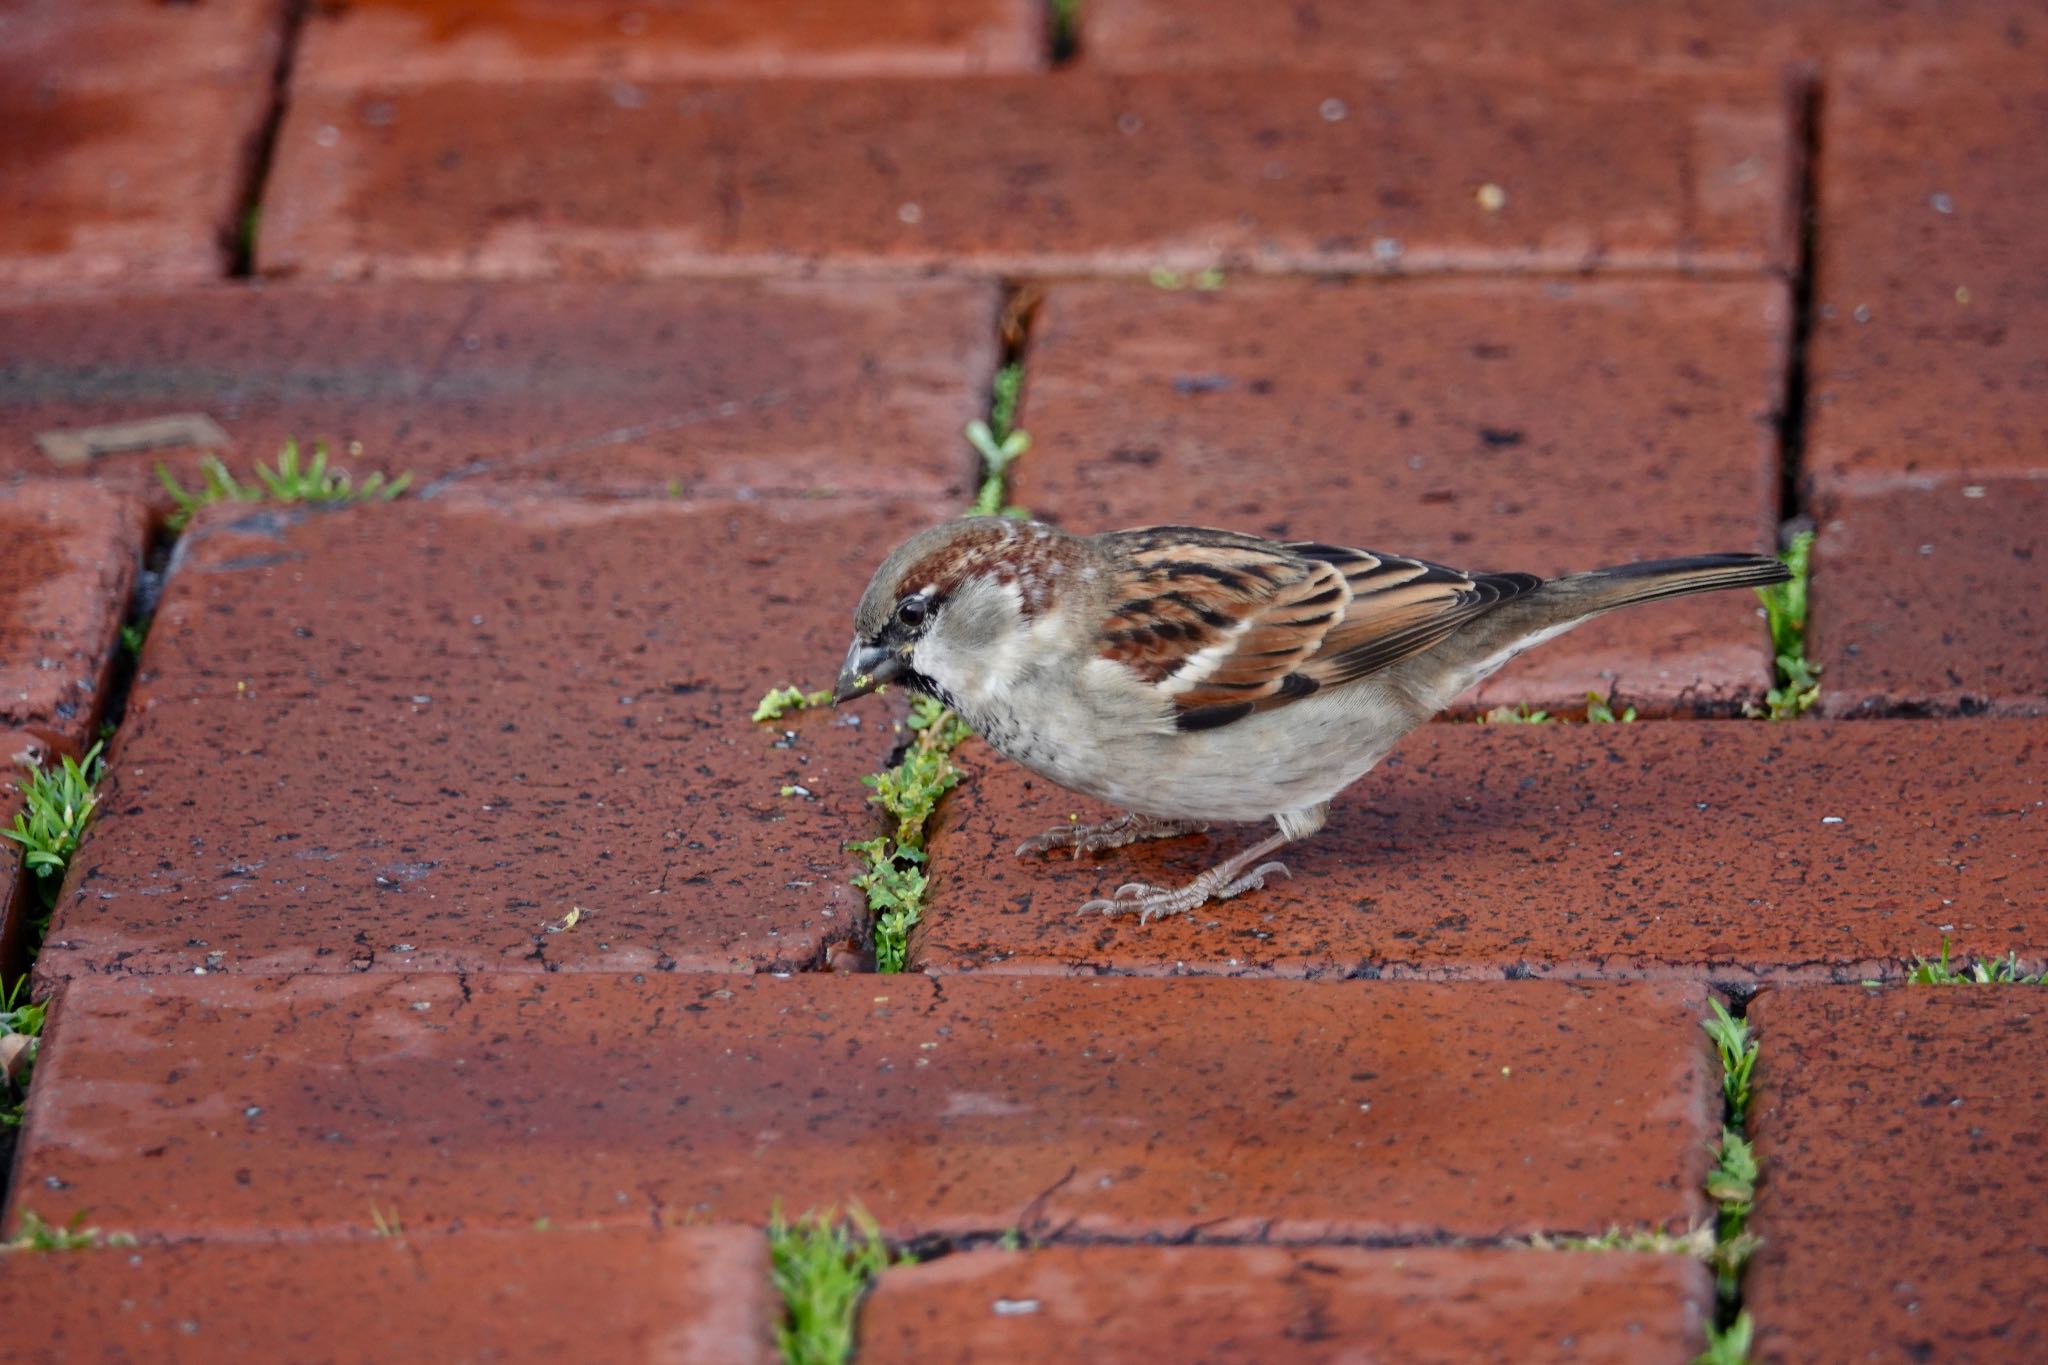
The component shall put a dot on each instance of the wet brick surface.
(705, 388)
(1810, 850)
(407, 42)
(1932, 281)
(1334, 171)
(231, 1106)
(68, 559)
(414, 735)
(1900, 1134)
(1485, 424)
(1256, 1304)
(695, 1295)
(92, 189)
(1933, 599)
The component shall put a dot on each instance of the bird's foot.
(1157, 902)
(1125, 829)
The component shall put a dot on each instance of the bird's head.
(945, 608)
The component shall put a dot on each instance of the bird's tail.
(1478, 649)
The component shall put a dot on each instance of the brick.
(1273, 171)
(1253, 1304)
(1929, 598)
(129, 131)
(1552, 851)
(429, 729)
(1149, 34)
(1487, 424)
(69, 554)
(682, 1296)
(410, 42)
(1904, 1193)
(712, 388)
(1932, 282)
(236, 1106)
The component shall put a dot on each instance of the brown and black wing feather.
(1228, 624)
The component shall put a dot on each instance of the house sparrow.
(1190, 675)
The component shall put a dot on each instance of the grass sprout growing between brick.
(21, 1037)
(822, 1265)
(37, 1235)
(57, 804)
(290, 481)
(1992, 971)
(1599, 711)
(1798, 684)
(1731, 1184)
(894, 881)
(999, 443)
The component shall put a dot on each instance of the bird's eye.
(910, 611)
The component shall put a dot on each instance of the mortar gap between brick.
(1062, 31)
(1793, 416)
(240, 231)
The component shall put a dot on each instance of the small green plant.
(1738, 1053)
(1995, 971)
(1732, 1186)
(384, 1224)
(1205, 281)
(1519, 714)
(1697, 1242)
(999, 443)
(1798, 684)
(822, 1266)
(895, 880)
(37, 1235)
(780, 701)
(57, 805)
(1066, 27)
(21, 1034)
(290, 481)
(133, 635)
(1727, 1345)
(1600, 711)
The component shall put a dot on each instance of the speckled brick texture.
(416, 735)
(710, 388)
(1904, 1193)
(1933, 599)
(1932, 280)
(69, 554)
(129, 132)
(1618, 35)
(1273, 171)
(667, 1298)
(175, 1106)
(408, 42)
(1487, 424)
(1736, 850)
(1256, 1304)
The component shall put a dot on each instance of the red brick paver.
(1787, 851)
(1255, 1304)
(1900, 1133)
(1617, 34)
(1497, 425)
(1932, 281)
(173, 1106)
(129, 129)
(1934, 597)
(409, 42)
(415, 735)
(707, 388)
(68, 559)
(1324, 171)
(688, 1296)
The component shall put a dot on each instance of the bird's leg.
(1125, 829)
(1220, 882)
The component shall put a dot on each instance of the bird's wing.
(1224, 624)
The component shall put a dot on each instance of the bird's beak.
(866, 668)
